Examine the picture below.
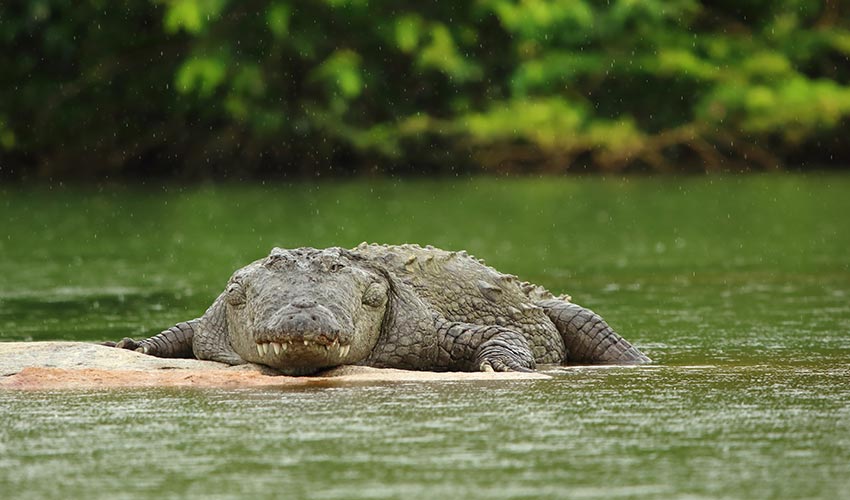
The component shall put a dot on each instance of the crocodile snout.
(302, 319)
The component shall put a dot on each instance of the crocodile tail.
(588, 338)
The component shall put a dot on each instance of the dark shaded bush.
(200, 88)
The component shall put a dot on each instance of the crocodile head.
(302, 310)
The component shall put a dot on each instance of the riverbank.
(80, 365)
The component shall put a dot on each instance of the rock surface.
(79, 365)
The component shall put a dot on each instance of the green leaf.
(678, 61)
(249, 81)
(191, 15)
(7, 136)
(539, 19)
(840, 40)
(408, 32)
(767, 64)
(554, 70)
(202, 75)
(342, 72)
(442, 54)
(277, 17)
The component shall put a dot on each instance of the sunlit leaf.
(546, 122)
(441, 53)
(342, 72)
(201, 75)
(191, 15)
(408, 31)
(277, 17)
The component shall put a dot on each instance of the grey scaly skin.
(302, 310)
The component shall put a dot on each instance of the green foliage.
(7, 136)
(210, 87)
(277, 17)
(341, 74)
(440, 53)
(794, 107)
(550, 123)
(191, 15)
(408, 32)
(201, 74)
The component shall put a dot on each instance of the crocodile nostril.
(314, 318)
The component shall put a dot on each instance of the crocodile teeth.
(259, 349)
(344, 350)
(284, 347)
(276, 347)
(306, 342)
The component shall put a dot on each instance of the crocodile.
(299, 311)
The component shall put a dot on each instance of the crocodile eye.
(375, 295)
(235, 294)
(334, 267)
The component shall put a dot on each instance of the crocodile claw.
(129, 344)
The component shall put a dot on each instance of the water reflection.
(740, 299)
(714, 431)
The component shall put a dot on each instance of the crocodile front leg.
(206, 337)
(175, 342)
(469, 347)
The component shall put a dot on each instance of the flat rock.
(79, 365)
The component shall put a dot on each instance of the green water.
(738, 287)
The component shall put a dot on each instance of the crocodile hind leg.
(587, 337)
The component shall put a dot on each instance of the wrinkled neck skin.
(299, 311)
(408, 334)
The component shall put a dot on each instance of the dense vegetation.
(251, 88)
